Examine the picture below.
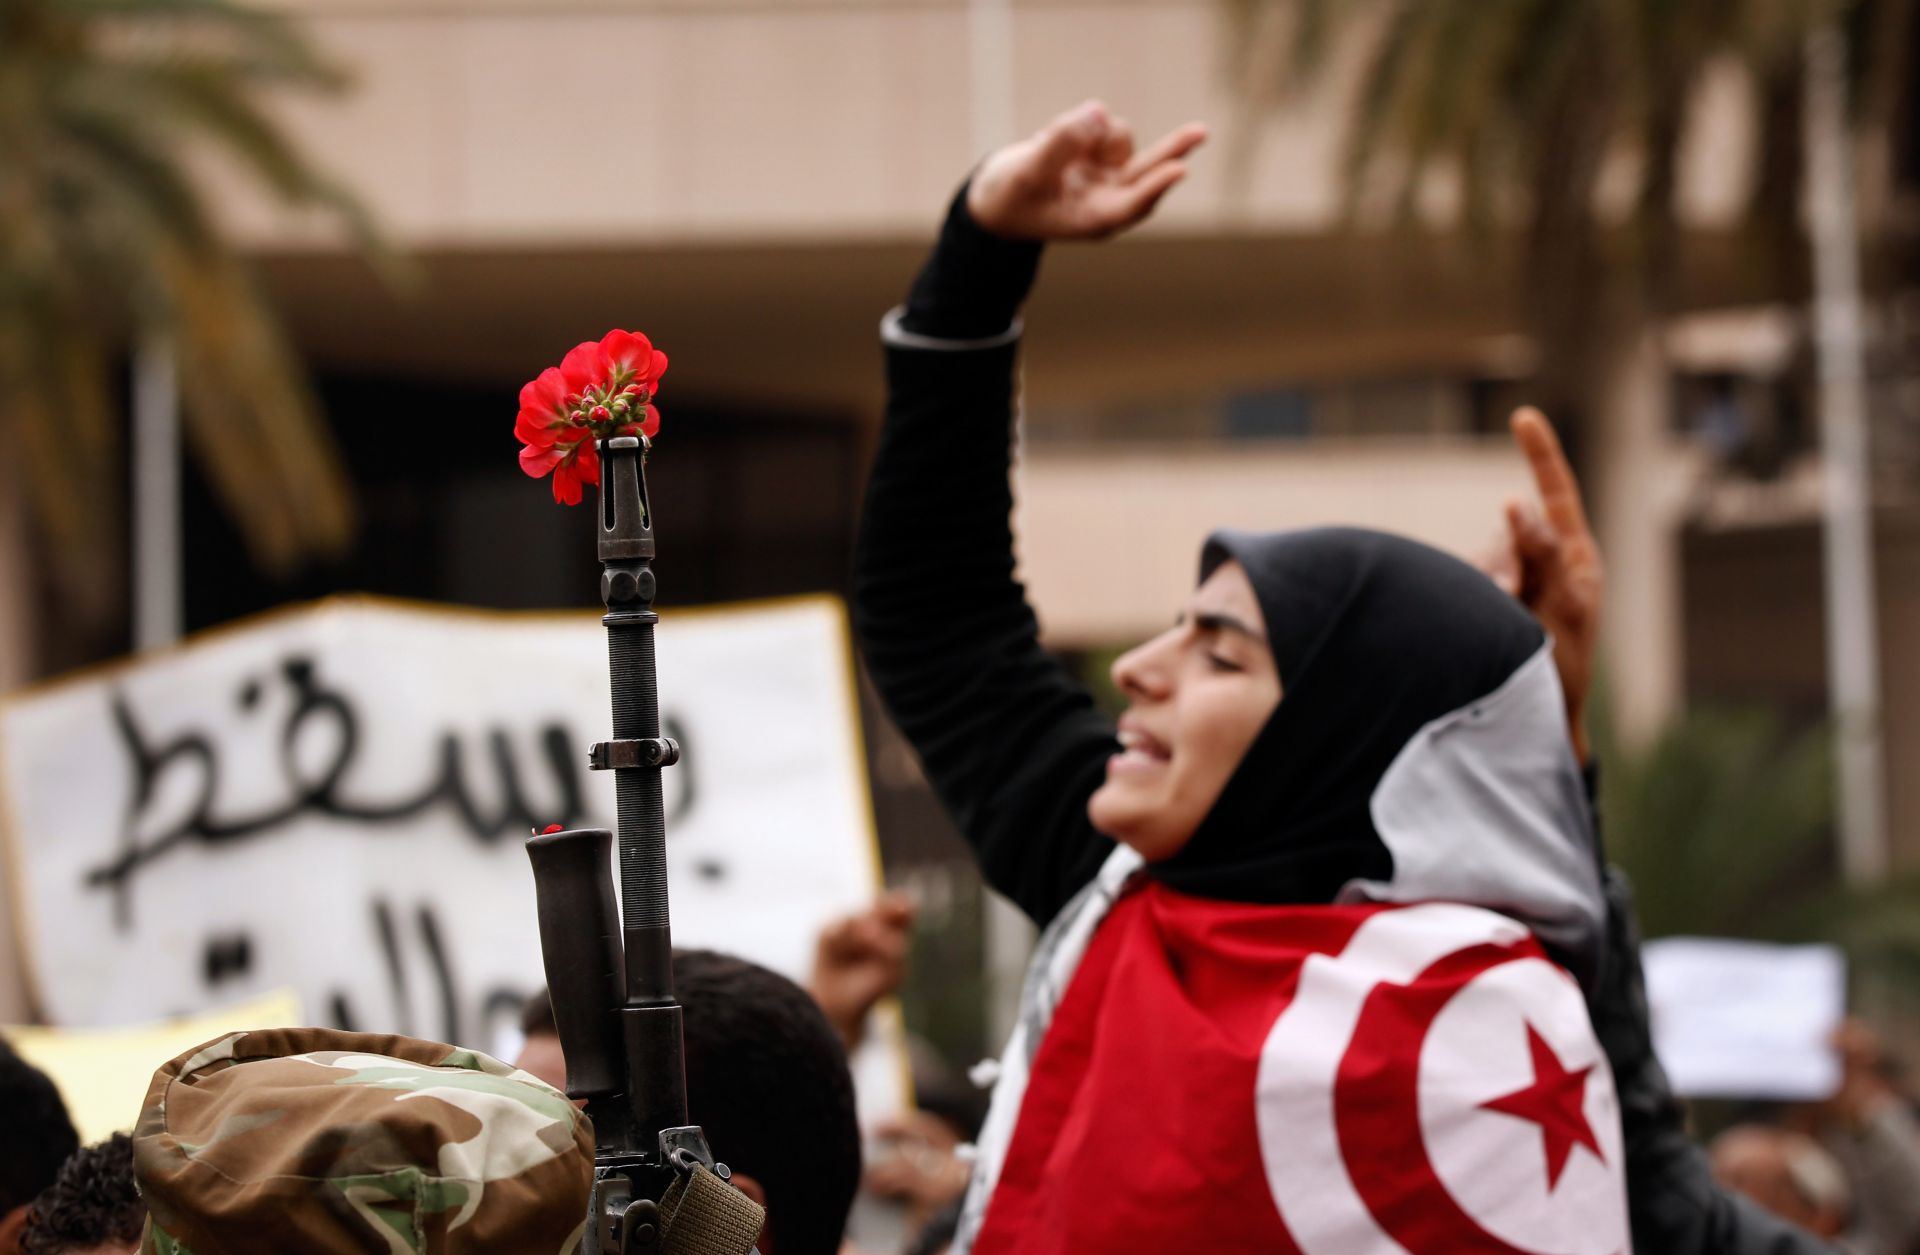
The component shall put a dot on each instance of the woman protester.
(1324, 912)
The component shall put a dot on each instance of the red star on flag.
(1556, 1101)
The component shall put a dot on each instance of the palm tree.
(1724, 825)
(1723, 822)
(105, 239)
(1526, 102)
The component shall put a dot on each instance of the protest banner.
(332, 800)
(103, 1073)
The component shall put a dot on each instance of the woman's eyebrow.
(1214, 621)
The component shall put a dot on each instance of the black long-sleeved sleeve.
(1675, 1206)
(1012, 744)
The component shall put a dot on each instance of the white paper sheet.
(1742, 1019)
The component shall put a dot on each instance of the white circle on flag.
(1481, 1048)
(1509, 1088)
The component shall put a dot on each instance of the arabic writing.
(499, 1004)
(316, 804)
(323, 787)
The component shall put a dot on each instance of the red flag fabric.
(1331, 1080)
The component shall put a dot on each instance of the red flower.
(543, 410)
(634, 356)
(583, 366)
(580, 466)
(599, 390)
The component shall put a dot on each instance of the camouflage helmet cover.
(329, 1143)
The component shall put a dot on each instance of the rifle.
(656, 1186)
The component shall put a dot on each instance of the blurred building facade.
(752, 183)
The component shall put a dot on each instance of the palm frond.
(1383, 83)
(205, 100)
(1311, 29)
(53, 374)
(1729, 813)
(251, 419)
(1317, 23)
(259, 44)
(1523, 99)
(103, 231)
(108, 165)
(1724, 825)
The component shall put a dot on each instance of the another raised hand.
(1077, 178)
(1547, 558)
(860, 959)
(916, 1162)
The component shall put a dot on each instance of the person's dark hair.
(92, 1202)
(35, 1134)
(767, 1079)
(536, 1017)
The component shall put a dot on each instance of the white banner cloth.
(333, 798)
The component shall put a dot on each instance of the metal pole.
(1853, 648)
(156, 494)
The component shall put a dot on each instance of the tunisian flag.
(1333, 1080)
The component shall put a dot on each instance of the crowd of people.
(1329, 937)
(767, 1072)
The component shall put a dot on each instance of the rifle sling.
(703, 1215)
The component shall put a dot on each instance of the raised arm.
(1011, 743)
(1547, 557)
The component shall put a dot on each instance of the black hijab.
(1419, 747)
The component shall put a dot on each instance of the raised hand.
(859, 960)
(1546, 557)
(1077, 178)
(915, 1162)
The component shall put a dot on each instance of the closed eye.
(1211, 621)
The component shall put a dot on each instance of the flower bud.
(621, 405)
(601, 414)
(633, 390)
(579, 417)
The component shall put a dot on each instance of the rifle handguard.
(580, 941)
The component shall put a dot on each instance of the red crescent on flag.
(1467, 1106)
(1377, 1102)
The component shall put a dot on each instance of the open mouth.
(1139, 750)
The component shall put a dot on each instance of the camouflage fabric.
(307, 1140)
